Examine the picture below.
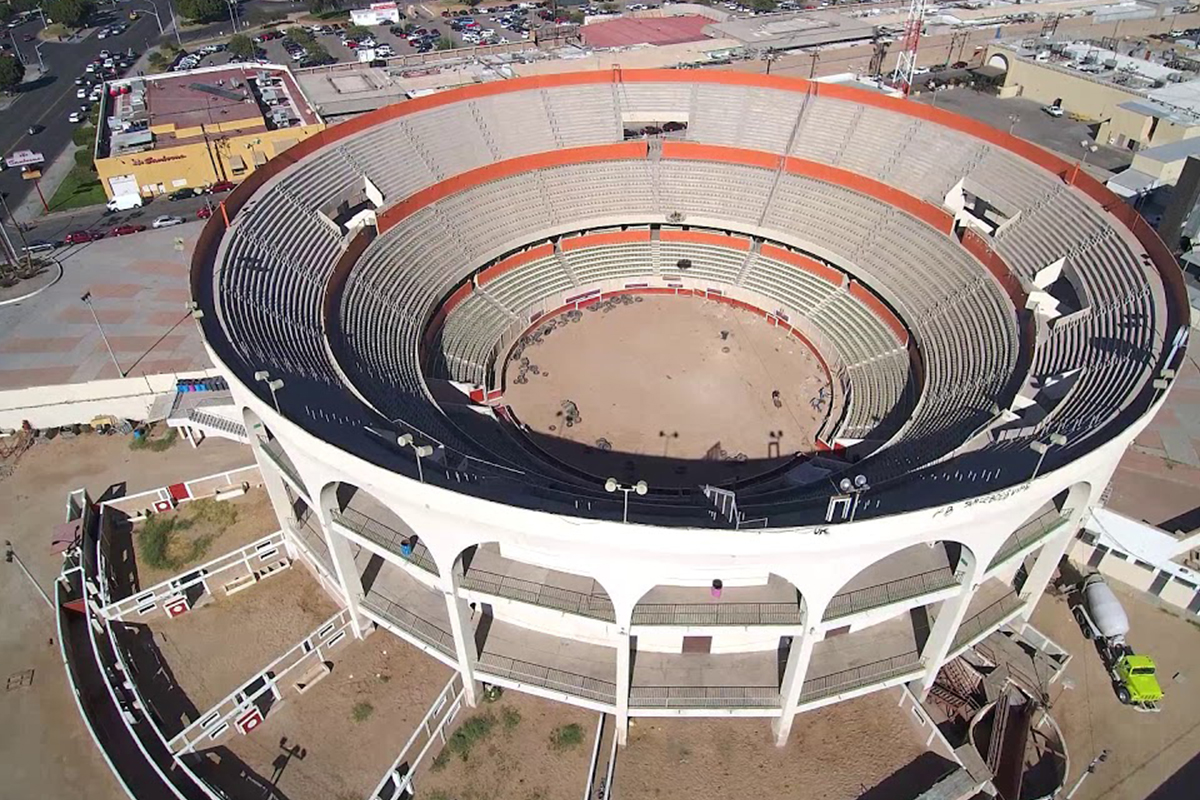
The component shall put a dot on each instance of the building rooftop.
(789, 31)
(1149, 108)
(1175, 151)
(155, 112)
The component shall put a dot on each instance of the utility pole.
(1098, 760)
(20, 232)
(11, 557)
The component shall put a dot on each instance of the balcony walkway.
(872, 655)
(488, 572)
(705, 680)
(910, 573)
(774, 603)
(582, 670)
(406, 603)
(993, 602)
(1032, 533)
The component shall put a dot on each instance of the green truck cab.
(1137, 682)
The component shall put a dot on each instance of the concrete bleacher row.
(277, 257)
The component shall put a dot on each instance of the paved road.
(50, 99)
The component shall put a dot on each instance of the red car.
(125, 230)
(82, 237)
(221, 186)
(204, 213)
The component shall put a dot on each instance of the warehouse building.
(160, 134)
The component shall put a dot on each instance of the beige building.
(192, 129)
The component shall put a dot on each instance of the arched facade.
(411, 497)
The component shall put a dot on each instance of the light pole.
(11, 557)
(1041, 448)
(154, 10)
(37, 48)
(1088, 149)
(274, 385)
(1013, 119)
(175, 24)
(1098, 760)
(419, 450)
(639, 488)
(854, 486)
(87, 299)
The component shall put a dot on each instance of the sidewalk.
(30, 209)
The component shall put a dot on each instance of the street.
(48, 100)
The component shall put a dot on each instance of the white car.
(76, 116)
(81, 93)
(1054, 111)
(166, 221)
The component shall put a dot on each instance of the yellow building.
(193, 129)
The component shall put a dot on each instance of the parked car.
(166, 221)
(182, 194)
(76, 116)
(82, 237)
(204, 213)
(221, 186)
(1054, 111)
(39, 246)
(125, 230)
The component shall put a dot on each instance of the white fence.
(430, 729)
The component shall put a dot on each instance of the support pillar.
(346, 572)
(464, 638)
(1050, 556)
(945, 627)
(624, 678)
(276, 489)
(799, 657)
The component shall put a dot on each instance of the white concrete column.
(1049, 557)
(276, 489)
(464, 637)
(945, 627)
(799, 657)
(624, 678)
(346, 572)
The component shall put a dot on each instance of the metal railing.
(703, 697)
(385, 536)
(889, 592)
(407, 621)
(1029, 534)
(275, 452)
(988, 617)
(539, 594)
(717, 614)
(816, 688)
(558, 680)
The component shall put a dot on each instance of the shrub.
(492, 693)
(145, 442)
(566, 737)
(511, 717)
(440, 761)
(362, 711)
(474, 730)
(83, 158)
(84, 136)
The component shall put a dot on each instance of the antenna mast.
(906, 63)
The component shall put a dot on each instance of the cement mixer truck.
(1103, 620)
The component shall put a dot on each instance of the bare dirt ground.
(515, 761)
(834, 753)
(339, 757)
(1144, 749)
(44, 746)
(255, 518)
(217, 646)
(668, 378)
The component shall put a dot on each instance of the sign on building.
(23, 158)
(376, 14)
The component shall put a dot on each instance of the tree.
(409, 28)
(357, 32)
(23, 5)
(316, 55)
(12, 72)
(300, 36)
(202, 10)
(763, 5)
(471, 3)
(241, 46)
(72, 13)
(445, 43)
(322, 6)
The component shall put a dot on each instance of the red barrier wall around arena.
(704, 237)
(514, 261)
(804, 264)
(601, 239)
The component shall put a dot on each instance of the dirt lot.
(44, 747)
(342, 757)
(825, 758)
(216, 647)
(671, 378)
(206, 529)
(1144, 749)
(516, 759)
